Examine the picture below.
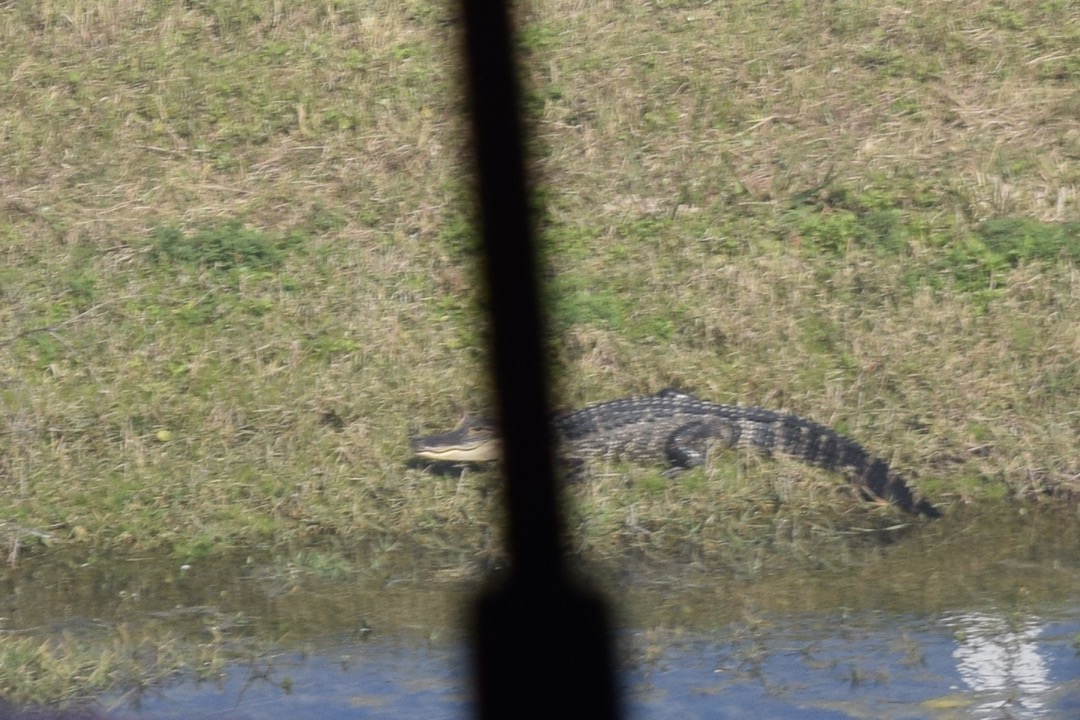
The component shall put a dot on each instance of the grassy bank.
(237, 267)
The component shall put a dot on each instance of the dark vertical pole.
(543, 646)
(518, 355)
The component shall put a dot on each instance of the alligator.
(678, 429)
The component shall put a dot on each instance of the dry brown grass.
(698, 164)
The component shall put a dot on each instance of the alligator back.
(680, 430)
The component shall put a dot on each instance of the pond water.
(866, 666)
(970, 617)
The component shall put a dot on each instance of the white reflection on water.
(999, 655)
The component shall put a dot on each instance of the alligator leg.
(574, 470)
(689, 445)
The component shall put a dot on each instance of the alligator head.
(474, 440)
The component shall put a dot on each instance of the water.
(970, 617)
(815, 667)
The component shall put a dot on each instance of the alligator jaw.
(476, 453)
(472, 441)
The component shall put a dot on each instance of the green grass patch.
(222, 247)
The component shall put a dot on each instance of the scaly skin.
(678, 429)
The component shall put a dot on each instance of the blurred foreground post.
(543, 645)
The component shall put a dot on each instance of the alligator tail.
(823, 447)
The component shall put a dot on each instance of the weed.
(220, 247)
